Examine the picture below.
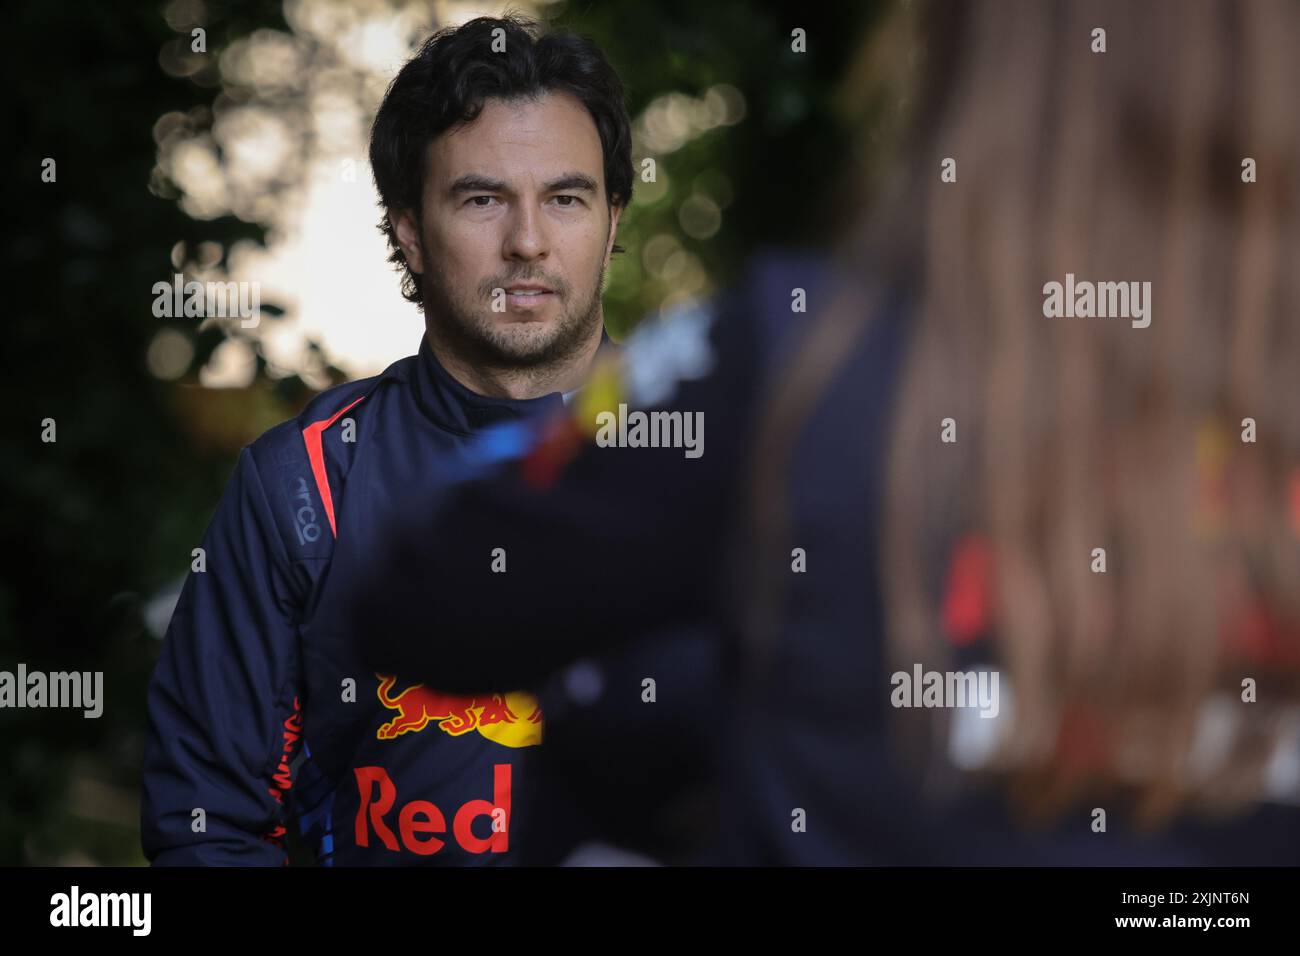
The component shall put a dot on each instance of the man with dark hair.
(503, 163)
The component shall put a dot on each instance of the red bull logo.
(512, 719)
(420, 821)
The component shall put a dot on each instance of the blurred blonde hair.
(1079, 433)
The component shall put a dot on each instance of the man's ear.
(615, 212)
(407, 229)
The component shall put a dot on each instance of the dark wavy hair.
(447, 83)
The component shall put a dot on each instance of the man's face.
(514, 201)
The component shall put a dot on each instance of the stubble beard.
(480, 337)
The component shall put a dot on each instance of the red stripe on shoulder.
(311, 436)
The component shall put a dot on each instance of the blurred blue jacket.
(629, 541)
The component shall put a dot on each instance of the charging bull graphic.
(513, 719)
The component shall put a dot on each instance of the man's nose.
(526, 233)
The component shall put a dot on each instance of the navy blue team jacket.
(261, 719)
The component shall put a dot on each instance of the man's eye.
(484, 203)
(567, 201)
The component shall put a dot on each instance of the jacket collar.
(454, 407)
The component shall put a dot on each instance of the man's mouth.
(528, 296)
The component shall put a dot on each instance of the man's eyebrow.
(471, 183)
(571, 181)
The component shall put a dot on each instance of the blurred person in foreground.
(919, 478)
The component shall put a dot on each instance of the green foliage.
(760, 171)
(97, 521)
